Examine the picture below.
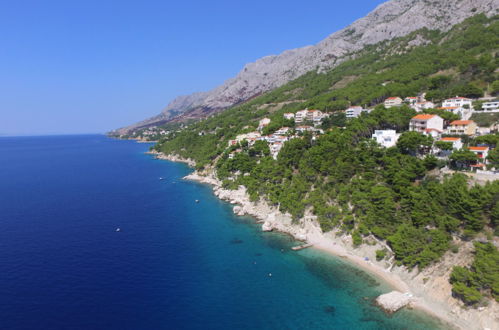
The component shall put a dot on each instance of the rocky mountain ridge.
(392, 19)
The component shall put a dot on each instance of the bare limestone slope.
(392, 19)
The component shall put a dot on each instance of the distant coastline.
(436, 303)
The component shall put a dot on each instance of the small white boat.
(118, 229)
(197, 200)
(160, 178)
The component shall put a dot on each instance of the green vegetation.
(343, 177)
(485, 119)
(482, 278)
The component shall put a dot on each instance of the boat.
(118, 229)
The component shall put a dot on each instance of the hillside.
(349, 183)
(390, 20)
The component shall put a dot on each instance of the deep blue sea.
(175, 263)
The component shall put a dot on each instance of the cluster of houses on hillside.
(428, 124)
(283, 134)
(311, 116)
(433, 125)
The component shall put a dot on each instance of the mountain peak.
(392, 19)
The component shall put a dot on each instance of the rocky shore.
(428, 290)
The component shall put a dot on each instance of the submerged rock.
(393, 301)
(330, 310)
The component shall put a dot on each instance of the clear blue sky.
(91, 66)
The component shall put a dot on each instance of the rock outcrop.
(392, 19)
(393, 301)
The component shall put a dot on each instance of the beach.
(429, 290)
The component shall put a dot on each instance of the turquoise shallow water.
(175, 264)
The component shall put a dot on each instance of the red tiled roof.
(478, 148)
(450, 139)
(461, 122)
(423, 117)
(458, 98)
(393, 98)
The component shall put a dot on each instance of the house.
(460, 102)
(313, 115)
(275, 148)
(420, 106)
(426, 123)
(386, 138)
(354, 112)
(248, 136)
(393, 102)
(303, 129)
(301, 116)
(233, 143)
(262, 123)
(433, 132)
(481, 152)
(289, 115)
(462, 127)
(457, 144)
(282, 131)
(464, 113)
(490, 106)
(411, 100)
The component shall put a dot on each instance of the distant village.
(426, 124)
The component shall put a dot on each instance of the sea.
(96, 234)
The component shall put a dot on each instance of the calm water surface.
(175, 264)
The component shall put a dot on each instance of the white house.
(420, 106)
(490, 106)
(459, 102)
(289, 115)
(426, 123)
(481, 152)
(264, 122)
(301, 116)
(309, 115)
(303, 129)
(457, 144)
(411, 100)
(393, 102)
(282, 131)
(386, 138)
(354, 112)
(314, 115)
(275, 148)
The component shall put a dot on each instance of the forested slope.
(346, 179)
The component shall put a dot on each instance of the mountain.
(390, 20)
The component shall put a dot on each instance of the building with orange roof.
(481, 152)
(457, 144)
(462, 127)
(426, 123)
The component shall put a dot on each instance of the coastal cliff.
(428, 290)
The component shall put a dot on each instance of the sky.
(75, 67)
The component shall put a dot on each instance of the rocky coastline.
(428, 290)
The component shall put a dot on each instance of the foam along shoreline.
(426, 291)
